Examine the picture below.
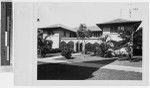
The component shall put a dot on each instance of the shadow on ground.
(64, 71)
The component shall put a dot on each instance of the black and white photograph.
(90, 41)
(5, 33)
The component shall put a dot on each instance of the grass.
(73, 71)
(87, 69)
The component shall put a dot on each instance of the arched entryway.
(81, 46)
(77, 47)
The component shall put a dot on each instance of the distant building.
(60, 33)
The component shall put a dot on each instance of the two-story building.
(60, 33)
(111, 28)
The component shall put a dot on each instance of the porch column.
(83, 46)
(79, 46)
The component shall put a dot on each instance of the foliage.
(104, 38)
(122, 52)
(88, 47)
(62, 45)
(71, 45)
(109, 53)
(66, 49)
(126, 33)
(66, 52)
(83, 32)
(133, 38)
(95, 48)
(44, 46)
(104, 48)
(137, 42)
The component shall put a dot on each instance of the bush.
(49, 45)
(44, 47)
(66, 49)
(62, 45)
(95, 48)
(108, 54)
(98, 52)
(88, 47)
(121, 52)
(66, 52)
(104, 48)
(71, 45)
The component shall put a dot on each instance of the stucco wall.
(64, 31)
(55, 38)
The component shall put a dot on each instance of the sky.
(73, 14)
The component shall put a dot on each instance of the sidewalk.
(124, 68)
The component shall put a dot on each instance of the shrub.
(88, 47)
(98, 52)
(109, 54)
(104, 48)
(66, 52)
(66, 49)
(44, 47)
(121, 52)
(95, 48)
(49, 44)
(71, 45)
(62, 45)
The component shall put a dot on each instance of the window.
(121, 28)
(106, 30)
(70, 34)
(64, 34)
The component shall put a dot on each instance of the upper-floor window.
(64, 34)
(70, 34)
(106, 30)
(113, 29)
(121, 28)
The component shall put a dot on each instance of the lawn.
(86, 68)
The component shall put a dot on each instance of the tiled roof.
(119, 20)
(61, 26)
(91, 28)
